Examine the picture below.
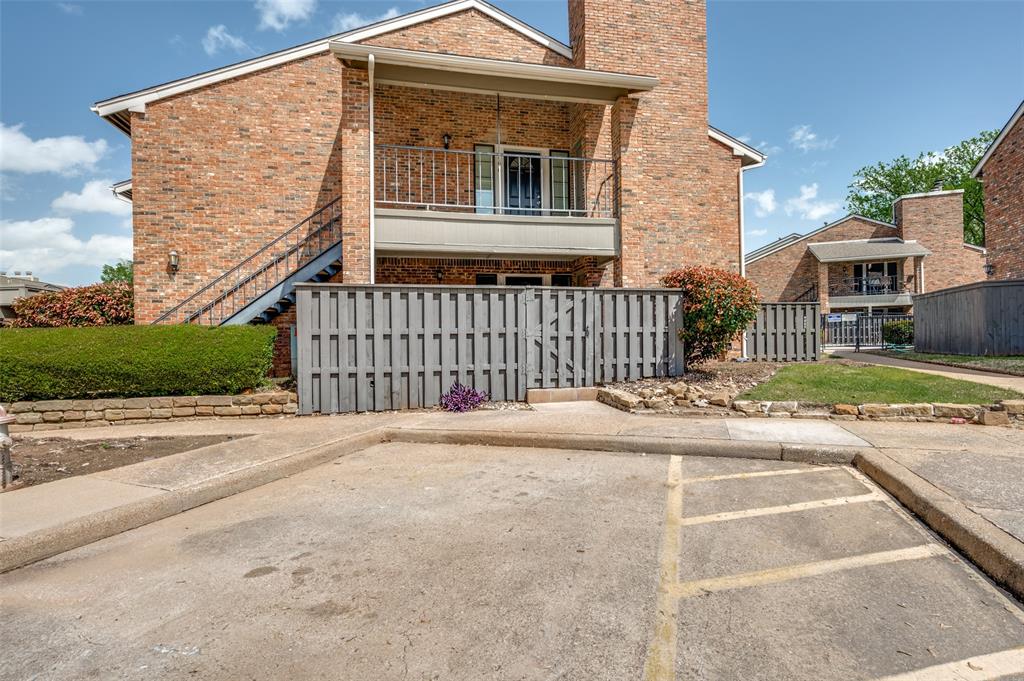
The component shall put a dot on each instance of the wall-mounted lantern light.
(447, 139)
(439, 274)
(990, 269)
(172, 261)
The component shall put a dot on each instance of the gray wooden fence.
(785, 332)
(372, 348)
(984, 318)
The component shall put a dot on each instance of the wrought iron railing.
(872, 285)
(267, 267)
(494, 183)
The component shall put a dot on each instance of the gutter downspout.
(743, 236)
(373, 221)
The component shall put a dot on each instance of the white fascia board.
(138, 100)
(998, 140)
(974, 247)
(738, 148)
(830, 225)
(919, 195)
(492, 67)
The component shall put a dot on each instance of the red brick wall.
(723, 207)
(660, 137)
(1004, 205)
(936, 221)
(470, 34)
(218, 172)
(788, 273)
(463, 271)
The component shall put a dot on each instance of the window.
(561, 280)
(487, 280)
(875, 277)
(524, 280)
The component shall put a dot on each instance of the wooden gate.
(784, 332)
(372, 348)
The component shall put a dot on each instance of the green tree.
(875, 187)
(121, 271)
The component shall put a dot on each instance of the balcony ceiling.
(867, 249)
(491, 76)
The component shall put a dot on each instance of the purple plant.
(462, 398)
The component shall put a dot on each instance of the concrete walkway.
(987, 377)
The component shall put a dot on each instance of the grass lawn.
(1013, 364)
(854, 384)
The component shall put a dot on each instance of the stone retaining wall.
(63, 414)
(677, 400)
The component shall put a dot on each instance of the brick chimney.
(935, 219)
(659, 138)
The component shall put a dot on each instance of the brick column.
(629, 193)
(355, 176)
(823, 286)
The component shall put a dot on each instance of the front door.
(523, 186)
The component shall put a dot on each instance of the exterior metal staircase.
(261, 286)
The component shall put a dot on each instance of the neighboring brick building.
(452, 145)
(1001, 170)
(863, 265)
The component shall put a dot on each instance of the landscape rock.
(845, 409)
(783, 407)
(747, 406)
(620, 399)
(1015, 407)
(678, 389)
(880, 410)
(964, 411)
(719, 399)
(994, 418)
(916, 409)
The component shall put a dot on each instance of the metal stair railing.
(261, 271)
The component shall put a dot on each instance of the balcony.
(493, 201)
(874, 289)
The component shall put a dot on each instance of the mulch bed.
(39, 460)
(712, 377)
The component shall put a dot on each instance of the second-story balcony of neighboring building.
(871, 285)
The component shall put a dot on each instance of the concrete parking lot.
(460, 562)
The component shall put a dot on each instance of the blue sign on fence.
(835, 317)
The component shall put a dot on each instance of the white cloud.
(348, 21)
(804, 139)
(95, 197)
(757, 232)
(277, 14)
(66, 155)
(764, 202)
(808, 207)
(47, 245)
(217, 38)
(69, 8)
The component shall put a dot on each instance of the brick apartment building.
(452, 145)
(856, 264)
(1001, 171)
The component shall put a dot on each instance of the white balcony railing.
(489, 182)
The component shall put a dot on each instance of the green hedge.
(898, 332)
(132, 361)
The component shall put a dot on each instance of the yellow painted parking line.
(661, 653)
(980, 668)
(758, 474)
(822, 567)
(774, 510)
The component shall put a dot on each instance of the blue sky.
(823, 87)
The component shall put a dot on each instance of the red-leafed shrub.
(717, 306)
(96, 305)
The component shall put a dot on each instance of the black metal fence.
(858, 330)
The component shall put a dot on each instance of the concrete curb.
(635, 444)
(35, 546)
(996, 552)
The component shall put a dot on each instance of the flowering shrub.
(462, 398)
(717, 306)
(96, 305)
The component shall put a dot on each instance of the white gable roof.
(116, 109)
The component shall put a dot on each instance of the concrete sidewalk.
(1007, 381)
(971, 469)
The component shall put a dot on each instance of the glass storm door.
(523, 186)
